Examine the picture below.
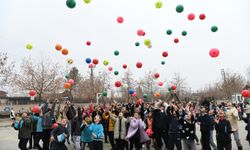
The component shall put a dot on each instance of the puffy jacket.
(97, 129)
(38, 120)
(223, 131)
(86, 135)
(25, 128)
(110, 122)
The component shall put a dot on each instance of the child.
(97, 133)
(86, 137)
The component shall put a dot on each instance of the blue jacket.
(86, 133)
(38, 119)
(97, 131)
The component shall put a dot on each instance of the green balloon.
(163, 62)
(116, 73)
(67, 76)
(116, 53)
(29, 46)
(169, 32)
(71, 3)
(137, 44)
(158, 4)
(179, 8)
(214, 28)
(169, 89)
(87, 1)
(145, 95)
(104, 93)
(184, 33)
(147, 42)
(105, 62)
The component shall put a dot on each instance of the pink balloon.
(160, 83)
(120, 19)
(134, 94)
(214, 52)
(149, 132)
(140, 32)
(91, 66)
(71, 81)
(110, 68)
(191, 16)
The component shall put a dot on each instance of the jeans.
(188, 144)
(237, 138)
(212, 140)
(77, 142)
(224, 145)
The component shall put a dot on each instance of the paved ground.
(9, 141)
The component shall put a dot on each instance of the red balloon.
(176, 40)
(139, 101)
(138, 64)
(165, 54)
(55, 125)
(173, 87)
(124, 66)
(32, 92)
(214, 52)
(160, 83)
(91, 66)
(149, 132)
(191, 16)
(140, 32)
(88, 43)
(157, 75)
(120, 19)
(118, 84)
(202, 16)
(95, 61)
(58, 47)
(65, 51)
(110, 68)
(245, 93)
(36, 109)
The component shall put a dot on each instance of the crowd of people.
(159, 125)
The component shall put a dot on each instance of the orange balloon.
(67, 85)
(157, 95)
(58, 47)
(65, 51)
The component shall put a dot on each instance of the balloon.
(160, 83)
(156, 75)
(105, 62)
(138, 64)
(139, 101)
(95, 61)
(245, 93)
(32, 92)
(173, 87)
(179, 8)
(165, 54)
(184, 33)
(58, 47)
(149, 132)
(70, 61)
(66, 76)
(55, 125)
(65, 51)
(147, 42)
(88, 43)
(169, 32)
(104, 93)
(163, 62)
(169, 88)
(36, 109)
(67, 85)
(29, 46)
(71, 81)
(91, 66)
(118, 83)
(214, 52)
(134, 94)
(191, 16)
(71, 3)
(116, 73)
(140, 32)
(116, 53)
(87, 1)
(158, 4)
(176, 40)
(145, 95)
(157, 94)
(110, 68)
(124, 66)
(137, 44)
(120, 19)
(214, 28)
(88, 60)
(131, 91)
(202, 16)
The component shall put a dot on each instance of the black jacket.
(160, 121)
(77, 121)
(223, 131)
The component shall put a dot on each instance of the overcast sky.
(47, 22)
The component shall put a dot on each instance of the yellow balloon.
(147, 42)
(29, 46)
(105, 62)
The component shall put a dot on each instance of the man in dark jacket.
(70, 114)
(76, 130)
(25, 129)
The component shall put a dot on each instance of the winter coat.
(97, 131)
(60, 134)
(232, 116)
(188, 129)
(48, 116)
(25, 128)
(223, 131)
(137, 124)
(76, 123)
(71, 112)
(86, 135)
(110, 122)
(38, 120)
(159, 120)
(119, 125)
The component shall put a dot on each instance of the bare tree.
(6, 69)
(180, 83)
(43, 77)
